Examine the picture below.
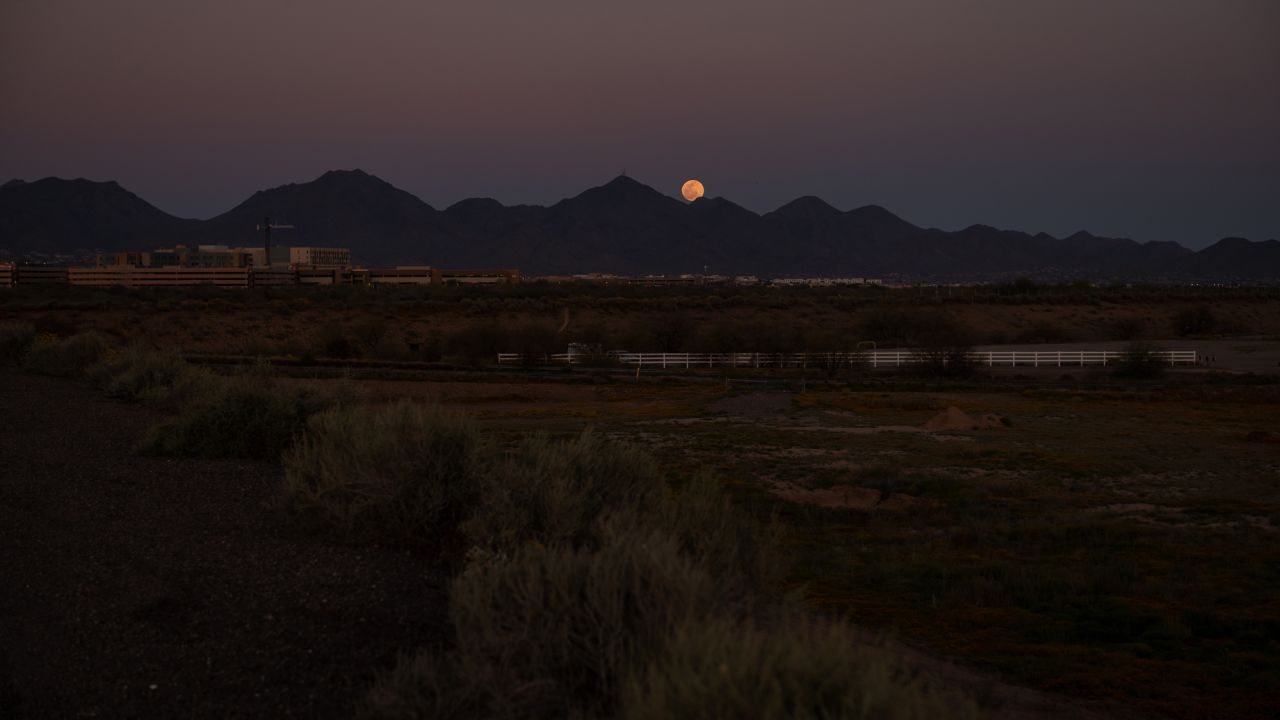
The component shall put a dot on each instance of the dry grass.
(405, 473)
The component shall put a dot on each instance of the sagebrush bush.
(406, 471)
(65, 357)
(151, 377)
(552, 632)
(554, 492)
(15, 338)
(732, 546)
(246, 417)
(803, 668)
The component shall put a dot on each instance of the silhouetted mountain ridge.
(622, 226)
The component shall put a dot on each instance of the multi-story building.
(6, 274)
(40, 275)
(169, 276)
(320, 257)
(182, 256)
(476, 277)
(402, 275)
(825, 281)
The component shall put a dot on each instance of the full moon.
(692, 190)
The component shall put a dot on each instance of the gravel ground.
(158, 588)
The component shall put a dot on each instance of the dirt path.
(149, 587)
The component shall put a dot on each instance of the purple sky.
(1151, 119)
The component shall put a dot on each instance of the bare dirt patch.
(753, 405)
(846, 496)
(953, 418)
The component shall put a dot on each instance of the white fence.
(869, 358)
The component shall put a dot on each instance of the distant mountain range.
(622, 227)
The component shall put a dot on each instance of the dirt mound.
(953, 418)
(1262, 436)
(847, 496)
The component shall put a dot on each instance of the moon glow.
(692, 190)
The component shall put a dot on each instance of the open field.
(475, 323)
(1117, 545)
(1079, 544)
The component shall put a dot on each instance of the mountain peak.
(356, 177)
(807, 206)
(475, 205)
(625, 181)
(353, 173)
(13, 183)
(876, 214)
(621, 189)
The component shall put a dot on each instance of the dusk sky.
(1150, 119)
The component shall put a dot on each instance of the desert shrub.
(802, 669)
(247, 416)
(1042, 332)
(477, 343)
(15, 338)
(333, 342)
(945, 361)
(389, 347)
(1140, 360)
(150, 377)
(672, 332)
(736, 549)
(53, 324)
(552, 632)
(554, 492)
(404, 472)
(432, 347)
(65, 357)
(369, 332)
(722, 337)
(902, 327)
(1125, 329)
(533, 339)
(1194, 321)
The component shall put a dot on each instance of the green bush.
(65, 357)
(15, 338)
(406, 472)
(554, 492)
(801, 669)
(247, 417)
(552, 632)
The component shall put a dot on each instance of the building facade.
(320, 257)
(171, 276)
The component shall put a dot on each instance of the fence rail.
(870, 358)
